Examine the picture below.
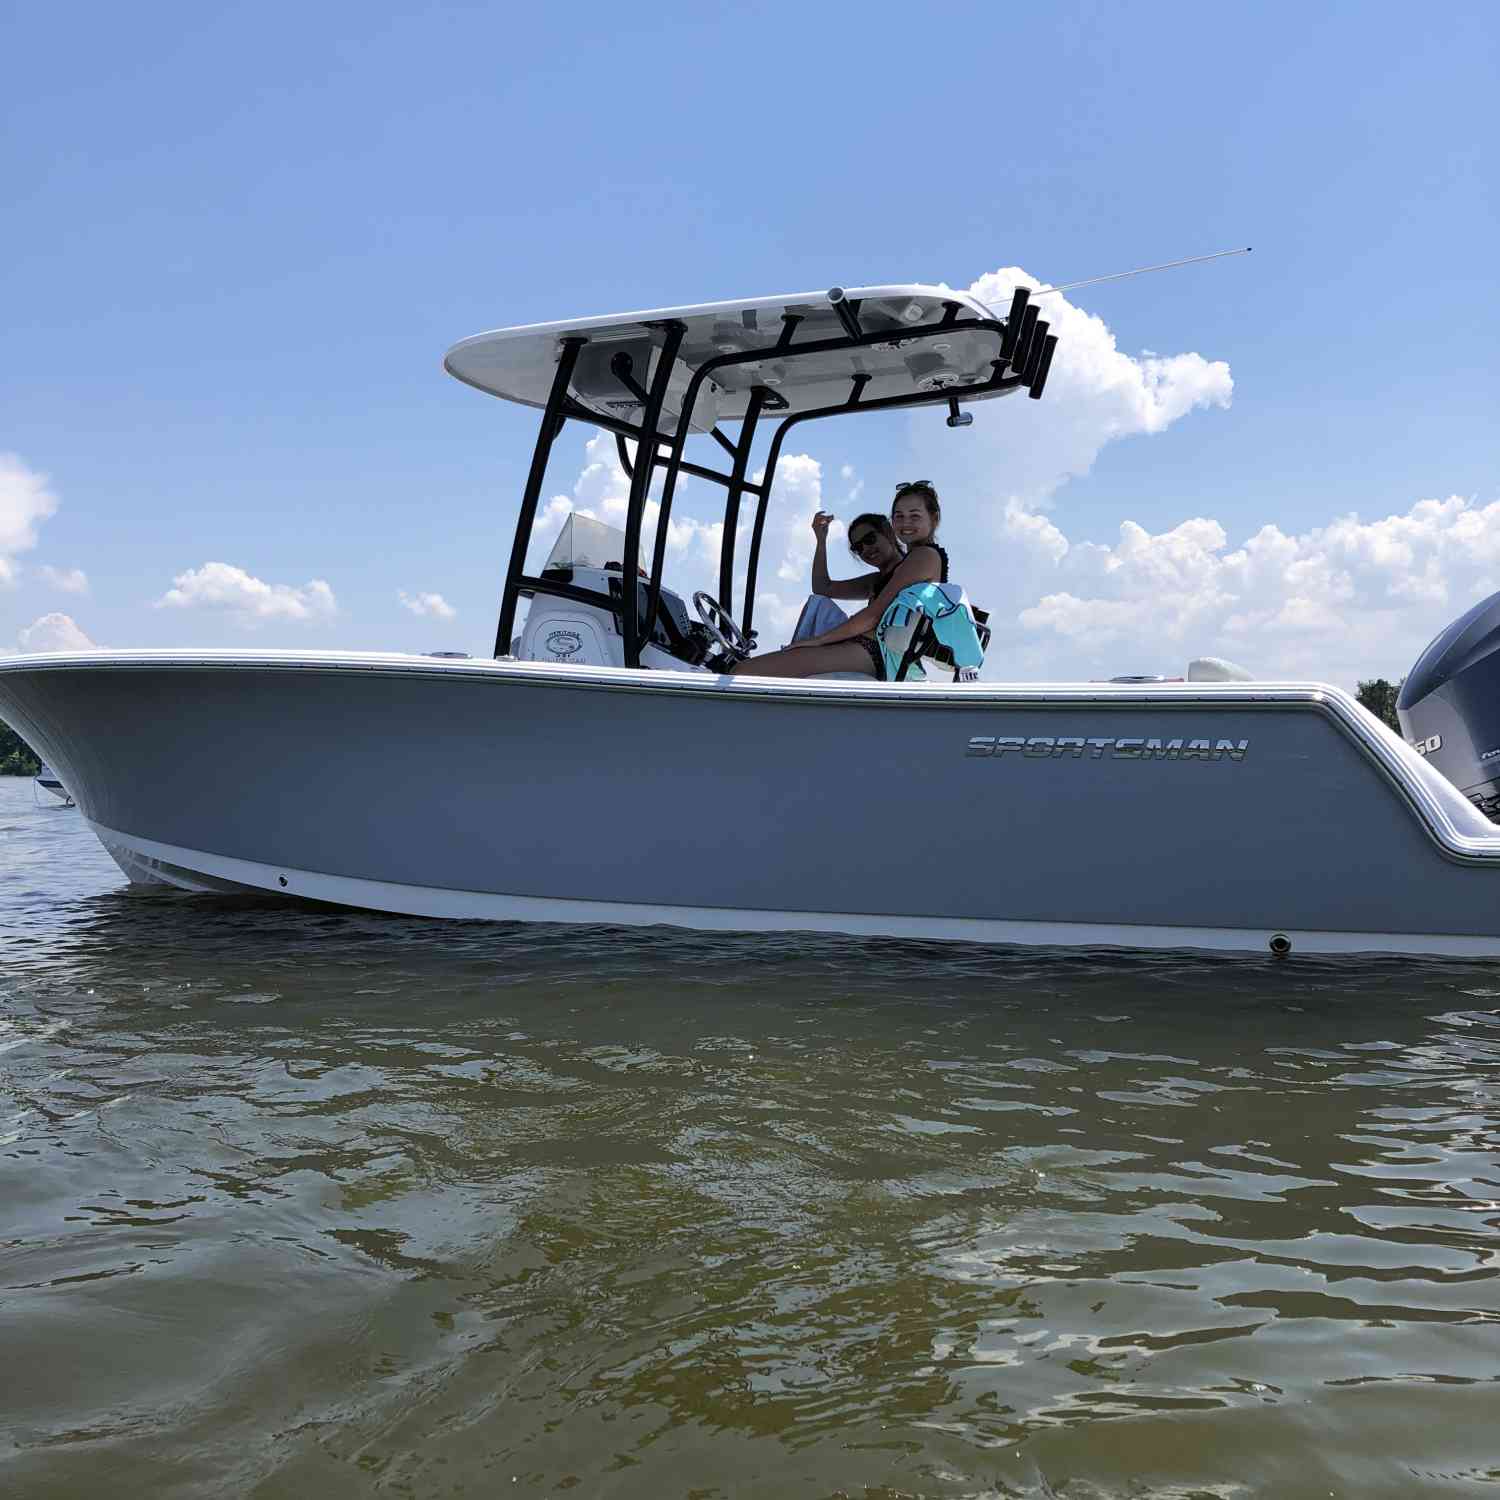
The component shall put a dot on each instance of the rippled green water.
(296, 1202)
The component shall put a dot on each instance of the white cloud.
(432, 605)
(1026, 450)
(69, 581)
(1336, 602)
(25, 502)
(250, 600)
(796, 497)
(54, 632)
(854, 481)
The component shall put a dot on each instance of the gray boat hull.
(1214, 815)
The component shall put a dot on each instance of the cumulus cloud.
(67, 581)
(245, 598)
(434, 606)
(1096, 394)
(54, 632)
(853, 480)
(797, 496)
(1348, 599)
(25, 502)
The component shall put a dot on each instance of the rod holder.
(838, 300)
(1013, 323)
(1039, 380)
(957, 418)
(1022, 352)
(1034, 346)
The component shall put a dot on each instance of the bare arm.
(844, 588)
(923, 566)
(833, 588)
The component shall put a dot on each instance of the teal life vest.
(948, 609)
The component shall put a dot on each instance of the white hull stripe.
(192, 869)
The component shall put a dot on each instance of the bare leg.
(807, 661)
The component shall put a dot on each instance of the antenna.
(1192, 260)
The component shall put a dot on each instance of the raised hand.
(820, 524)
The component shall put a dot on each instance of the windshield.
(586, 543)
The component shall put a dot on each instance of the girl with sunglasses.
(872, 540)
(852, 647)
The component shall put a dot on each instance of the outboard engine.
(1450, 705)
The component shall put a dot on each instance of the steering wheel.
(720, 625)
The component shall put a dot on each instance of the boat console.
(570, 632)
(575, 617)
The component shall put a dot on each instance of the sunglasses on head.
(914, 484)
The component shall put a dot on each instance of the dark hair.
(880, 523)
(929, 500)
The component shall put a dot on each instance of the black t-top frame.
(1023, 357)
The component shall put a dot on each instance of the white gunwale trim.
(428, 901)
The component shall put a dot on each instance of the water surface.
(295, 1201)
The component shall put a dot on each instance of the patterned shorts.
(877, 656)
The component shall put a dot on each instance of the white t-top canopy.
(519, 363)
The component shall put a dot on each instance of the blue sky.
(239, 242)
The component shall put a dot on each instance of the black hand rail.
(552, 424)
(640, 484)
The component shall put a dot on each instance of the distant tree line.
(1379, 696)
(16, 756)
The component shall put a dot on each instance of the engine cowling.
(1449, 706)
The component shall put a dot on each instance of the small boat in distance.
(47, 780)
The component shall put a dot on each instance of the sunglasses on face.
(858, 544)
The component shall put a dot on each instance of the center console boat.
(602, 768)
